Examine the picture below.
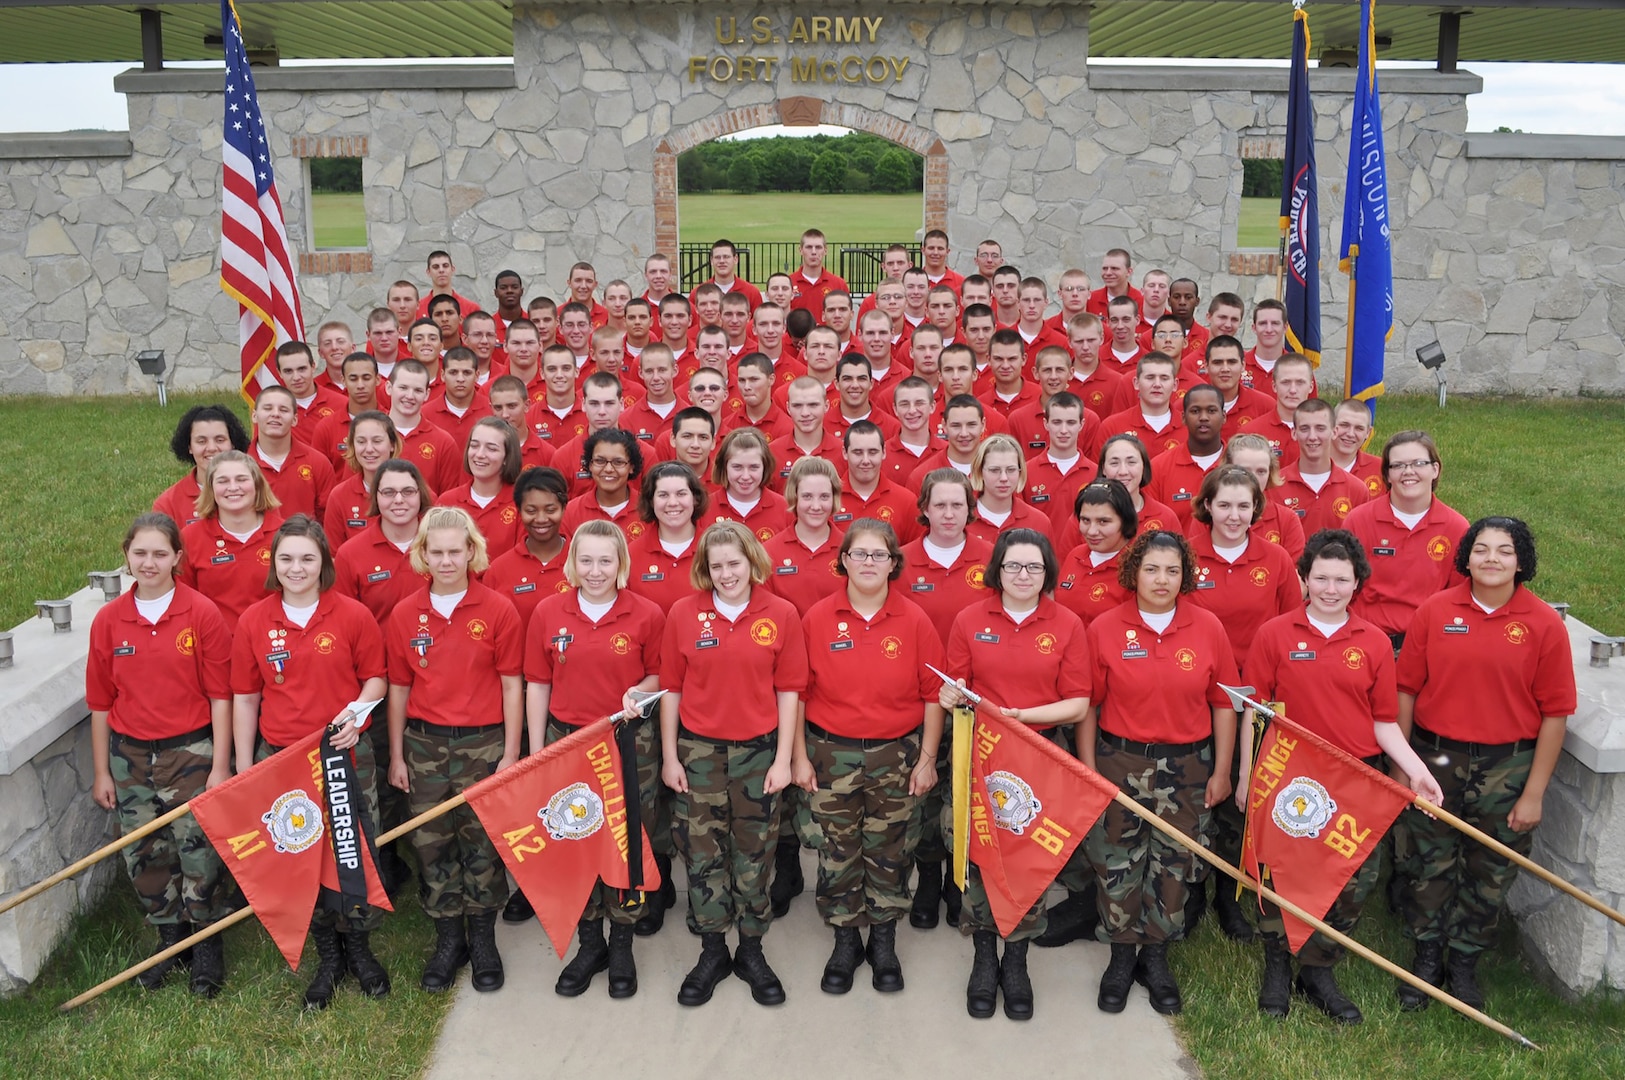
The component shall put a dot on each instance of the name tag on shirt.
(1182, 496)
(651, 577)
(563, 639)
(280, 654)
(1383, 551)
(1456, 629)
(841, 646)
(922, 586)
(422, 641)
(1036, 444)
(991, 639)
(1135, 654)
(708, 643)
(787, 569)
(527, 587)
(1036, 499)
(124, 650)
(842, 517)
(1307, 654)
(1207, 584)
(356, 523)
(1301, 513)
(221, 559)
(646, 435)
(382, 575)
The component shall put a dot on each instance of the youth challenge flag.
(256, 263)
(284, 832)
(1300, 204)
(1030, 805)
(1365, 253)
(1314, 815)
(562, 819)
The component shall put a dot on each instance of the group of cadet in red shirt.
(780, 509)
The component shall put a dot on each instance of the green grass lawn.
(338, 220)
(1260, 224)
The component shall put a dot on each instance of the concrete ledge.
(1516, 144)
(1268, 79)
(336, 77)
(42, 696)
(28, 146)
(1596, 731)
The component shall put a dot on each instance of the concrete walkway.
(527, 1030)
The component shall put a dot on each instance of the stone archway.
(795, 112)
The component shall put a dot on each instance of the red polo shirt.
(1051, 491)
(326, 664)
(1088, 590)
(658, 575)
(156, 680)
(1176, 477)
(1022, 516)
(804, 575)
(1098, 390)
(836, 424)
(867, 678)
(437, 457)
(1487, 678)
(950, 278)
(438, 411)
(454, 670)
(1274, 430)
(786, 452)
(1132, 422)
(1407, 565)
(902, 461)
(646, 425)
(179, 500)
(1042, 659)
(1249, 405)
(1098, 300)
(1261, 584)
(768, 517)
(1276, 525)
(302, 483)
(1152, 515)
(1368, 470)
(327, 402)
(524, 579)
(498, 520)
(1337, 687)
(229, 571)
(1160, 688)
(332, 437)
(809, 294)
(346, 514)
(590, 665)
(371, 569)
(586, 507)
(729, 673)
(892, 503)
(549, 426)
(773, 425)
(942, 592)
(1027, 397)
(1325, 509)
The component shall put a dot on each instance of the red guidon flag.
(1314, 814)
(270, 827)
(559, 819)
(1030, 805)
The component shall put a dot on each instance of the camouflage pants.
(461, 871)
(865, 813)
(605, 900)
(177, 875)
(1455, 887)
(392, 806)
(1144, 876)
(1320, 950)
(727, 828)
(366, 778)
(931, 809)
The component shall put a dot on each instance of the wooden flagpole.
(94, 857)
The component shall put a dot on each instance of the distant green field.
(774, 216)
(338, 221)
(1260, 224)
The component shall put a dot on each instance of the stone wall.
(1510, 253)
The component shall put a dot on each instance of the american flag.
(256, 264)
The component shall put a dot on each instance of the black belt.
(1375, 761)
(1152, 749)
(848, 740)
(1397, 641)
(445, 731)
(770, 739)
(1472, 749)
(174, 742)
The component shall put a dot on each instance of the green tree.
(742, 175)
(691, 171)
(1261, 178)
(893, 172)
(828, 174)
(342, 174)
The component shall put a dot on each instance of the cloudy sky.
(1584, 99)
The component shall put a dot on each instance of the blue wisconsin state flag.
(1300, 204)
(1365, 253)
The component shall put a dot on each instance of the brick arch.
(796, 112)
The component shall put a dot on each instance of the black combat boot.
(1117, 979)
(1275, 988)
(1232, 919)
(208, 965)
(922, 914)
(367, 969)
(518, 908)
(1152, 973)
(592, 956)
(953, 901)
(1463, 969)
(1073, 919)
(714, 965)
(329, 966)
(1427, 966)
(623, 970)
(1014, 983)
(887, 970)
(982, 990)
(843, 960)
(450, 954)
(788, 882)
(169, 934)
(751, 965)
(1320, 987)
(484, 961)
